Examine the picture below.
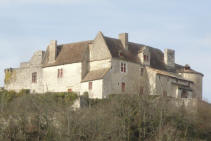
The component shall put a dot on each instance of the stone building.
(105, 66)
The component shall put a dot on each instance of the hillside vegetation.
(50, 117)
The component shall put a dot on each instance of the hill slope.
(49, 117)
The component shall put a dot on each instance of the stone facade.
(105, 66)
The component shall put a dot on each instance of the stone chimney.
(169, 58)
(52, 48)
(124, 39)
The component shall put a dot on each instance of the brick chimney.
(169, 58)
(124, 39)
(52, 51)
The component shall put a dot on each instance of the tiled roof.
(183, 70)
(170, 74)
(68, 53)
(115, 46)
(95, 75)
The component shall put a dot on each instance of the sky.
(183, 25)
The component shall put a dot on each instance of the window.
(142, 71)
(69, 90)
(184, 94)
(141, 91)
(60, 73)
(123, 67)
(90, 85)
(120, 54)
(34, 77)
(146, 58)
(123, 86)
(164, 93)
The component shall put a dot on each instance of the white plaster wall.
(97, 89)
(71, 78)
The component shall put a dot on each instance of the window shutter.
(123, 86)
(124, 67)
(90, 85)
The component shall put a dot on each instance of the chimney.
(169, 58)
(52, 48)
(124, 39)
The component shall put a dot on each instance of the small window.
(60, 73)
(34, 77)
(120, 54)
(123, 67)
(184, 94)
(141, 91)
(69, 90)
(90, 85)
(164, 93)
(145, 58)
(142, 71)
(123, 86)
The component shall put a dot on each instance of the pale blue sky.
(183, 25)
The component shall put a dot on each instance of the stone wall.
(101, 64)
(114, 78)
(166, 85)
(151, 78)
(197, 85)
(21, 78)
(99, 49)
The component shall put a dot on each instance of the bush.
(118, 118)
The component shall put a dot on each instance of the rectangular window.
(145, 58)
(69, 90)
(123, 86)
(184, 94)
(60, 73)
(164, 93)
(141, 90)
(34, 77)
(90, 85)
(123, 67)
(142, 71)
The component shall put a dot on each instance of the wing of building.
(105, 66)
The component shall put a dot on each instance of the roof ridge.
(89, 41)
(112, 38)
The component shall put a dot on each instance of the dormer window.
(146, 58)
(120, 54)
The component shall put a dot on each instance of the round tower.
(196, 78)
